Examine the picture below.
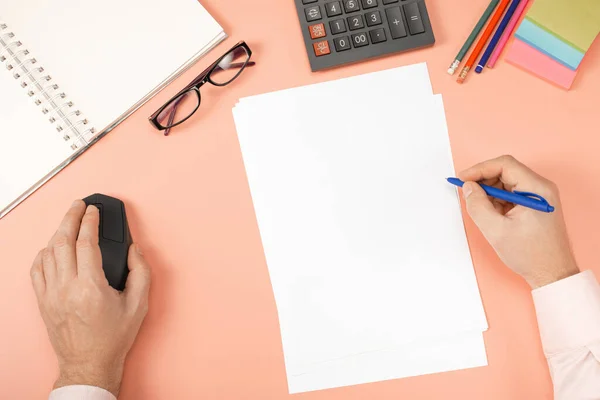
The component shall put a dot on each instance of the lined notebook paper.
(363, 238)
(107, 57)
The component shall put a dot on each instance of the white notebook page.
(29, 146)
(107, 55)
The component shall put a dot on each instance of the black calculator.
(339, 32)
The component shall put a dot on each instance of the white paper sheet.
(419, 358)
(363, 238)
(401, 82)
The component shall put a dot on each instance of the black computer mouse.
(115, 238)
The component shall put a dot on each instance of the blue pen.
(525, 199)
(497, 35)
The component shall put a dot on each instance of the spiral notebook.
(71, 70)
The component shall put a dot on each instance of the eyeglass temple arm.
(239, 65)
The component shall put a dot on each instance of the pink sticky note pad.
(526, 57)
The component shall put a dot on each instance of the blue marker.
(525, 199)
(497, 35)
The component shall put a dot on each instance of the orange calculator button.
(321, 48)
(317, 31)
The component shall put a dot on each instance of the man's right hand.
(533, 244)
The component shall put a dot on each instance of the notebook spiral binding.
(46, 94)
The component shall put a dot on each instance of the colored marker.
(525, 199)
(482, 41)
(507, 33)
(496, 38)
(474, 33)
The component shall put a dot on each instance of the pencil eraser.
(455, 64)
(478, 69)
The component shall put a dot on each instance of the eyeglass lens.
(179, 109)
(230, 66)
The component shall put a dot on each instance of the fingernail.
(139, 249)
(75, 203)
(90, 209)
(467, 190)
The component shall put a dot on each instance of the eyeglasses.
(185, 103)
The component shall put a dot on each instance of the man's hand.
(91, 326)
(533, 244)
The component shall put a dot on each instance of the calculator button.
(360, 39)
(369, 3)
(394, 17)
(351, 5)
(308, 1)
(317, 31)
(337, 26)
(377, 35)
(373, 18)
(321, 48)
(389, 1)
(334, 8)
(413, 17)
(342, 43)
(356, 22)
(313, 13)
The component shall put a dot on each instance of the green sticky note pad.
(576, 22)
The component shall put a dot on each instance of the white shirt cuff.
(568, 313)
(81, 392)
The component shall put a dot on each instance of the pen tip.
(479, 69)
(451, 71)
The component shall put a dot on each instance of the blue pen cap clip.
(533, 196)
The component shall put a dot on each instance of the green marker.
(482, 21)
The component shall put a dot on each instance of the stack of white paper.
(363, 238)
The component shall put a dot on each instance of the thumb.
(479, 207)
(138, 281)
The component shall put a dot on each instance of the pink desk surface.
(212, 330)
